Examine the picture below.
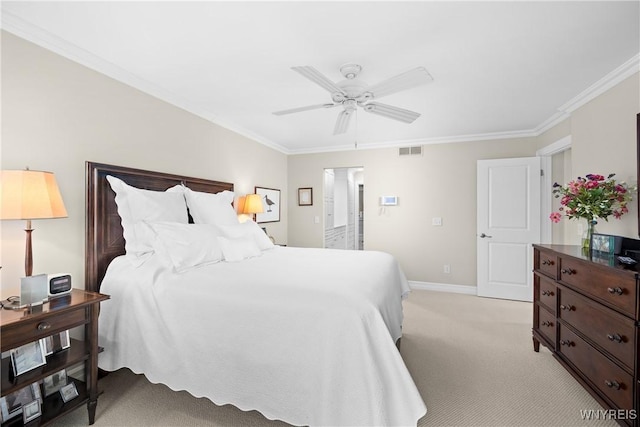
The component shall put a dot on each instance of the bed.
(307, 336)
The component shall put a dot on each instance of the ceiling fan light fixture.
(353, 93)
(350, 105)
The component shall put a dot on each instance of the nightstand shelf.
(78, 352)
(80, 308)
(54, 407)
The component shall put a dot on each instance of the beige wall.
(440, 183)
(603, 134)
(57, 114)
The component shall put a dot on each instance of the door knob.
(484, 235)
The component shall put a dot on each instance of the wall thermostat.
(388, 200)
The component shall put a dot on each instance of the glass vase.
(588, 232)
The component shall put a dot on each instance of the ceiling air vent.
(410, 151)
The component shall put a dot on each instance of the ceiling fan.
(353, 92)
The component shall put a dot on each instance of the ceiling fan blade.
(342, 124)
(412, 78)
(318, 78)
(396, 113)
(299, 109)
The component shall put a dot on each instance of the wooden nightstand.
(79, 308)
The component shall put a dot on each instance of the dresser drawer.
(611, 380)
(617, 288)
(30, 330)
(547, 263)
(546, 292)
(610, 330)
(546, 324)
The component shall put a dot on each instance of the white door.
(508, 211)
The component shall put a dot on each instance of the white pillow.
(248, 228)
(238, 249)
(210, 208)
(187, 245)
(136, 205)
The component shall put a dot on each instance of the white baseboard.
(444, 287)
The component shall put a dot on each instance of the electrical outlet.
(447, 269)
(437, 221)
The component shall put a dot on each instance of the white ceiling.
(500, 69)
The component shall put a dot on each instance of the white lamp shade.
(27, 194)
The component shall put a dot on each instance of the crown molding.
(616, 76)
(552, 121)
(420, 141)
(45, 39)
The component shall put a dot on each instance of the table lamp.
(252, 205)
(27, 195)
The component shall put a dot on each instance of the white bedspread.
(302, 335)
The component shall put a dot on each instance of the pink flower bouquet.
(591, 198)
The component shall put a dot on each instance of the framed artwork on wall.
(305, 196)
(270, 203)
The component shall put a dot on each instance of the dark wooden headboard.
(104, 239)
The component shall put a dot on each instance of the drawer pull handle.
(547, 323)
(547, 293)
(547, 262)
(614, 337)
(568, 271)
(615, 291)
(567, 307)
(43, 326)
(612, 384)
(568, 343)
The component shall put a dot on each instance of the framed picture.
(305, 196)
(69, 392)
(55, 343)
(54, 383)
(31, 411)
(27, 357)
(270, 203)
(12, 404)
(606, 243)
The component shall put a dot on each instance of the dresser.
(586, 313)
(78, 309)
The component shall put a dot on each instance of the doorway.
(343, 208)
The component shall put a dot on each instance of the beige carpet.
(471, 358)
